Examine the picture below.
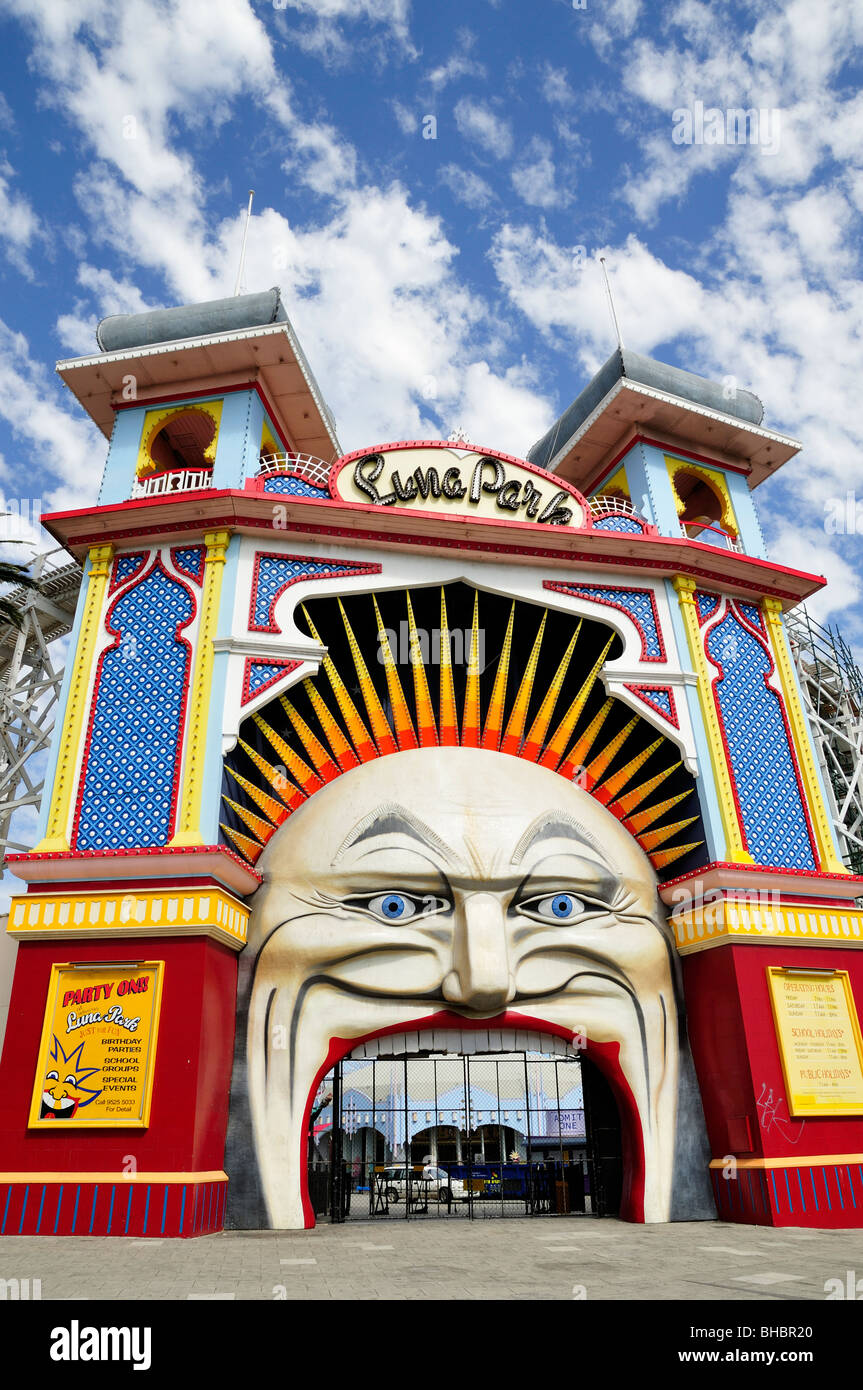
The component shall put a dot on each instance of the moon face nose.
(480, 978)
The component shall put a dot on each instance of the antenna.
(611, 302)
(243, 248)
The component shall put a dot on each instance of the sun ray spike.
(532, 746)
(470, 718)
(618, 780)
(278, 780)
(599, 765)
(640, 820)
(362, 739)
(274, 810)
(573, 763)
(381, 731)
(633, 799)
(323, 763)
(426, 725)
(261, 829)
(405, 736)
(512, 739)
(448, 715)
(562, 734)
(342, 750)
(299, 770)
(494, 713)
(652, 839)
(663, 857)
(249, 849)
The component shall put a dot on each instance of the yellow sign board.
(98, 1048)
(819, 1041)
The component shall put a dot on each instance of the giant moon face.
(466, 882)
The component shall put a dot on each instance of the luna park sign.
(439, 477)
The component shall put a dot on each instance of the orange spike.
(612, 785)
(381, 731)
(512, 739)
(606, 756)
(574, 760)
(299, 770)
(663, 857)
(630, 800)
(555, 749)
(448, 716)
(344, 753)
(533, 743)
(639, 820)
(281, 784)
(401, 715)
(247, 848)
(494, 713)
(260, 828)
(470, 718)
(272, 809)
(362, 739)
(422, 698)
(652, 839)
(324, 765)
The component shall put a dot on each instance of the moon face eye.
(393, 907)
(52, 1076)
(70, 1081)
(557, 907)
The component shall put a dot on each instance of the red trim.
(640, 690)
(666, 448)
(94, 700)
(706, 617)
(142, 555)
(751, 869)
(118, 885)
(284, 668)
(576, 591)
(196, 578)
(342, 569)
(604, 1055)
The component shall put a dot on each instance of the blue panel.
(128, 789)
(619, 523)
(190, 561)
(761, 760)
(297, 487)
(660, 698)
(638, 603)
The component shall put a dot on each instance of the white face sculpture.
(458, 880)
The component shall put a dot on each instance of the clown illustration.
(64, 1093)
(425, 868)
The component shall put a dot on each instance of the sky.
(434, 185)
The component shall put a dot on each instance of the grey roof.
(674, 381)
(121, 332)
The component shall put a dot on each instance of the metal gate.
(464, 1137)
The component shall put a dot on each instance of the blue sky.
(446, 281)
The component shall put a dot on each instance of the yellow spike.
(344, 753)
(582, 746)
(324, 765)
(612, 785)
(401, 715)
(494, 713)
(630, 800)
(381, 731)
(533, 743)
(470, 718)
(639, 820)
(607, 755)
(291, 795)
(360, 735)
(249, 849)
(512, 739)
(663, 857)
(299, 770)
(261, 828)
(652, 839)
(272, 809)
(555, 749)
(448, 716)
(422, 699)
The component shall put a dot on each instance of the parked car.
(439, 1184)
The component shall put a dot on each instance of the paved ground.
(540, 1258)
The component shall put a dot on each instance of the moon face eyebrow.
(554, 825)
(393, 820)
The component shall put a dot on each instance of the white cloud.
(534, 179)
(407, 120)
(19, 225)
(554, 86)
(467, 186)
(479, 124)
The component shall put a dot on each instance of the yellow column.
(735, 850)
(68, 759)
(821, 822)
(189, 818)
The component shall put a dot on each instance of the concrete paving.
(393, 1259)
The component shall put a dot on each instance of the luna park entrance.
(470, 1136)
